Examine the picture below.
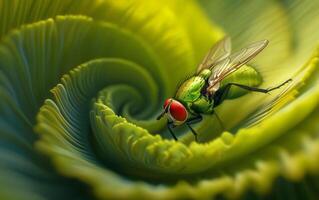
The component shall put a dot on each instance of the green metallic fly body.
(209, 87)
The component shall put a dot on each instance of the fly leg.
(170, 127)
(193, 120)
(258, 89)
(221, 94)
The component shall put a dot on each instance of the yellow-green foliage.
(82, 82)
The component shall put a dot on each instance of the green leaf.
(110, 64)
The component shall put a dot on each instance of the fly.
(204, 91)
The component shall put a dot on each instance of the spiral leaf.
(83, 81)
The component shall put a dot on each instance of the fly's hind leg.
(193, 120)
(253, 89)
(221, 94)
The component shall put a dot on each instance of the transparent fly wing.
(233, 62)
(218, 52)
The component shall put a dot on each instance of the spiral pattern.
(82, 83)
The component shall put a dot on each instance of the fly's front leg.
(194, 120)
(170, 127)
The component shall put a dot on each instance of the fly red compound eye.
(178, 111)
